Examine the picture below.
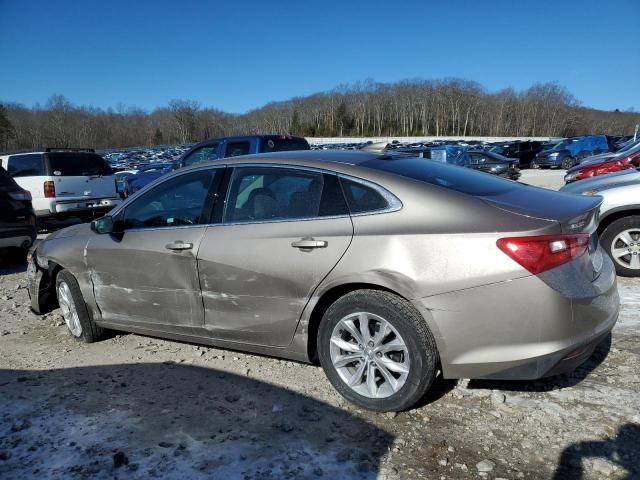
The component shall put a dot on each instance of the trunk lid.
(574, 213)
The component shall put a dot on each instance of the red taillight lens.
(49, 189)
(542, 253)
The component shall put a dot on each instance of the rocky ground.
(139, 407)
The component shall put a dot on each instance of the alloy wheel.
(625, 248)
(369, 355)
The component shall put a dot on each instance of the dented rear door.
(260, 266)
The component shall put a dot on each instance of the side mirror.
(103, 225)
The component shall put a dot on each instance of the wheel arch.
(326, 299)
(616, 214)
(46, 289)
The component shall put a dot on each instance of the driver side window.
(182, 200)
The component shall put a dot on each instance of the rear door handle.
(178, 245)
(309, 243)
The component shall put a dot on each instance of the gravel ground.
(139, 407)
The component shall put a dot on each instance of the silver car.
(619, 227)
(386, 269)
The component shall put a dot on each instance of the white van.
(65, 182)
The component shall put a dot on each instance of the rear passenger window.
(270, 194)
(362, 198)
(26, 165)
(235, 149)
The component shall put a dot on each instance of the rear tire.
(74, 310)
(390, 371)
(621, 241)
(567, 163)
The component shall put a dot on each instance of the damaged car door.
(146, 271)
(283, 230)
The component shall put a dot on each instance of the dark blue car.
(146, 175)
(571, 151)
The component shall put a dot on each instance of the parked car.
(17, 218)
(619, 228)
(386, 268)
(592, 185)
(525, 151)
(490, 162)
(622, 161)
(629, 147)
(571, 151)
(64, 182)
(146, 175)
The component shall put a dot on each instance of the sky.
(239, 55)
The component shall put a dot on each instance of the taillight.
(542, 253)
(23, 196)
(49, 189)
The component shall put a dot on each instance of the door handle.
(309, 243)
(178, 245)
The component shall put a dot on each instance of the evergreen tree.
(157, 137)
(6, 129)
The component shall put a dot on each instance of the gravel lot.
(139, 407)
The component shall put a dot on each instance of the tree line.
(450, 107)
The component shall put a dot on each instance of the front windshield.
(562, 144)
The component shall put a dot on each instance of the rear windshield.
(460, 179)
(284, 144)
(78, 164)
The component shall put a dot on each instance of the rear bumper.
(17, 237)
(79, 206)
(523, 329)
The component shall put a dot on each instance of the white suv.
(64, 182)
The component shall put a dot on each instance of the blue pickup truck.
(214, 149)
(225, 147)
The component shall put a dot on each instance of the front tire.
(621, 241)
(74, 311)
(377, 350)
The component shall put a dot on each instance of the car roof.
(322, 159)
